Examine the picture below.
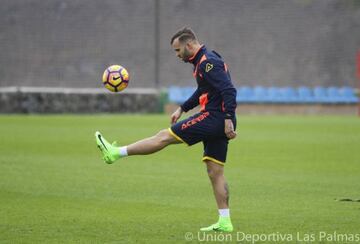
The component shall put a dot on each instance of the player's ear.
(188, 45)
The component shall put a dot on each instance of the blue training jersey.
(215, 91)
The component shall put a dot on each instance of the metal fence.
(68, 43)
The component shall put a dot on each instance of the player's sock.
(123, 151)
(110, 151)
(225, 212)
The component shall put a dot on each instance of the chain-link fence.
(63, 43)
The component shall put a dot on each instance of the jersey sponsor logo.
(208, 67)
(194, 121)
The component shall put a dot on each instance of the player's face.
(181, 50)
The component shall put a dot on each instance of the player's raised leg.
(152, 144)
(221, 193)
(145, 146)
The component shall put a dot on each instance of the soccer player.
(214, 125)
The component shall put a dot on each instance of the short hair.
(184, 34)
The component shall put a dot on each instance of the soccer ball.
(115, 78)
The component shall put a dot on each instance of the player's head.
(185, 43)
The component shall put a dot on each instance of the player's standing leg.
(221, 193)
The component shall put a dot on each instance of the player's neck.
(196, 48)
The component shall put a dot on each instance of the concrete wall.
(77, 101)
(68, 43)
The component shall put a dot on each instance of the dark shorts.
(207, 127)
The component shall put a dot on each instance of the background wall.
(69, 43)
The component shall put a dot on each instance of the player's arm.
(189, 104)
(192, 101)
(215, 73)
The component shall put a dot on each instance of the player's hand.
(176, 115)
(229, 129)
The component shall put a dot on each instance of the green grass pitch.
(286, 175)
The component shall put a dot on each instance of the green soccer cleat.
(110, 151)
(224, 224)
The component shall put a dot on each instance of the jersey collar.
(196, 57)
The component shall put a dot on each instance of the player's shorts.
(208, 127)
